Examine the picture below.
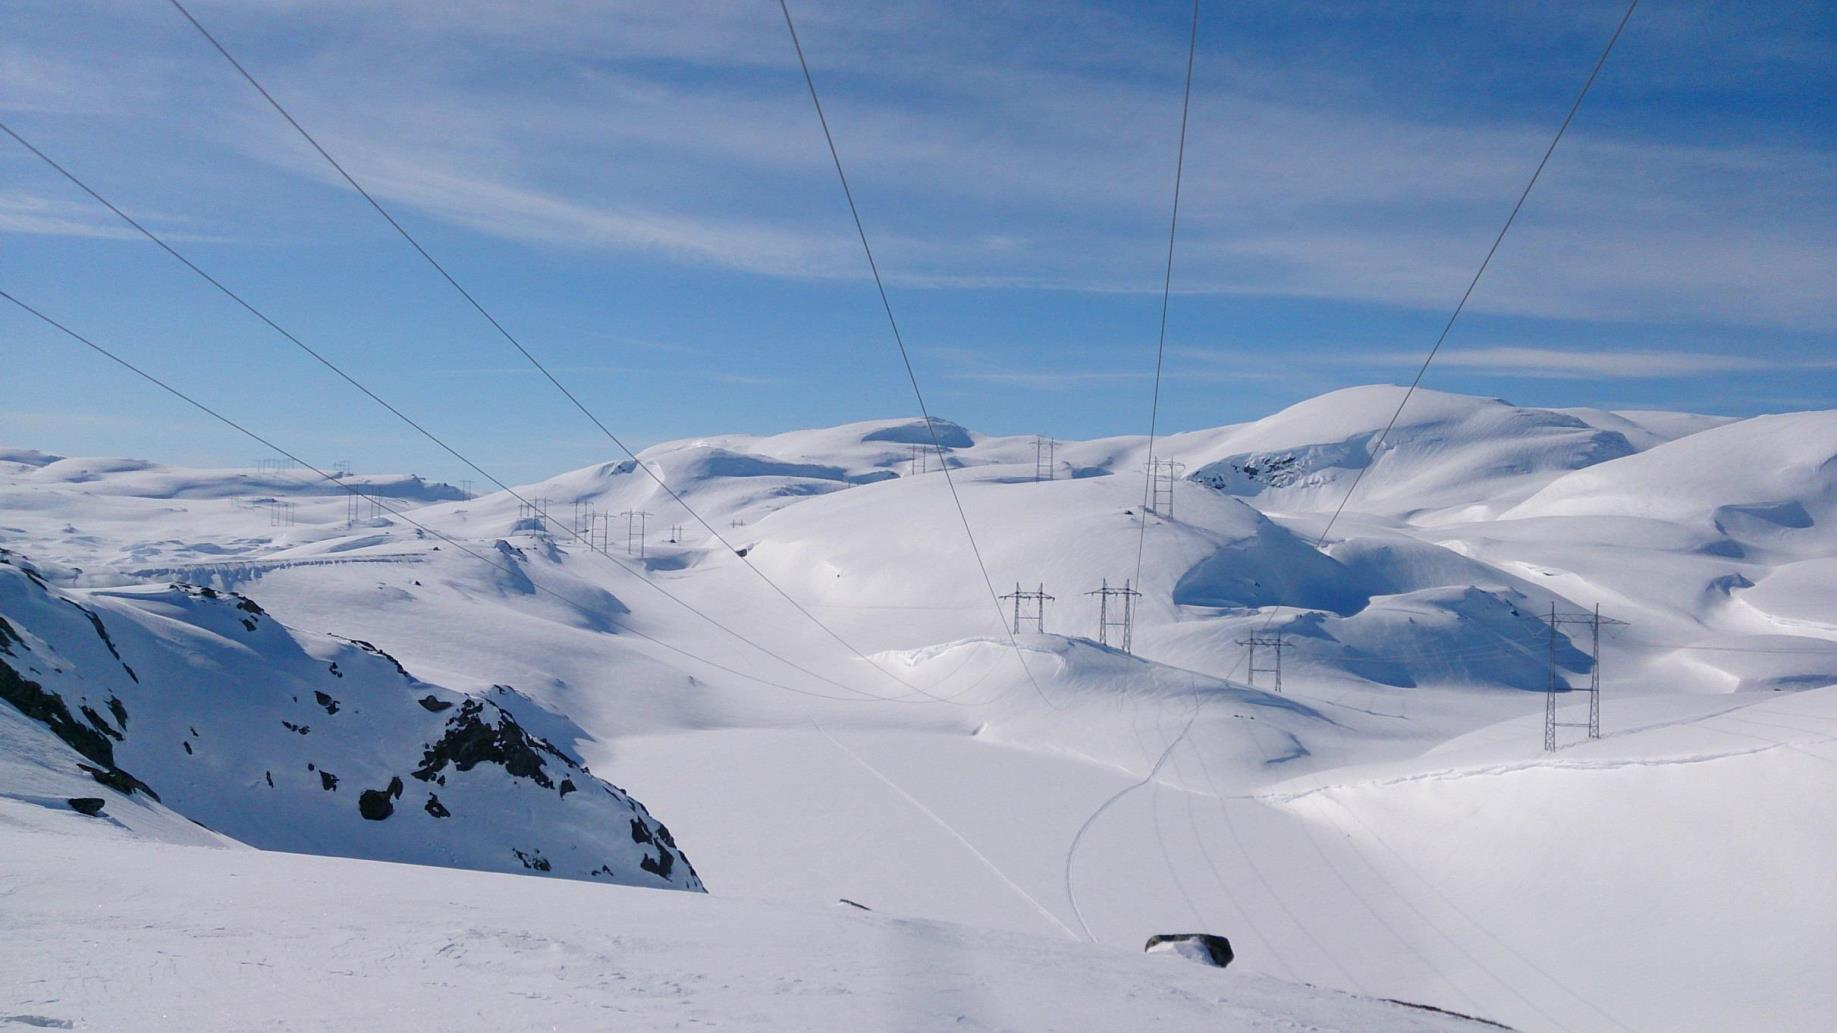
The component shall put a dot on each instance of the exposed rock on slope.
(312, 744)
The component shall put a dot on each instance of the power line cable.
(1518, 206)
(899, 341)
(1167, 286)
(417, 426)
(472, 300)
(379, 501)
(1199, 701)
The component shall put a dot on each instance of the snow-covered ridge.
(203, 702)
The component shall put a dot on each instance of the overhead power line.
(899, 342)
(422, 430)
(479, 307)
(344, 485)
(1167, 287)
(1198, 700)
(1517, 206)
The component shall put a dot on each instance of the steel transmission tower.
(1593, 621)
(1271, 668)
(1119, 615)
(1035, 602)
(1162, 474)
(1044, 450)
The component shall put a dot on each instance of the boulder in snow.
(1204, 948)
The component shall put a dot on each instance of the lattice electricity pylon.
(280, 514)
(634, 531)
(1024, 601)
(921, 460)
(1044, 450)
(1274, 669)
(1120, 616)
(1162, 474)
(465, 490)
(1593, 621)
(583, 517)
(342, 468)
(599, 533)
(535, 512)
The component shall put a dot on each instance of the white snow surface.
(189, 938)
(1388, 826)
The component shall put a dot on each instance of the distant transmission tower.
(342, 468)
(583, 517)
(465, 490)
(1043, 452)
(1162, 473)
(1034, 601)
(921, 460)
(675, 534)
(1273, 668)
(634, 531)
(1593, 621)
(535, 512)
(1119, 615)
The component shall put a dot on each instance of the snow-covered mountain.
(202, 702)
(1361, 830)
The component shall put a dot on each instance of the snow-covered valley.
(816, 694)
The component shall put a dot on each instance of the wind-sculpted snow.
(1446, 451)
(141, 478)
(1769, 483)
(918, 432)
(202, 701)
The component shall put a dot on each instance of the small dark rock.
(90, 805)
(374, 804)
(567, 786)
(434, 704)
(1216, 948)
(330, 704)
(328, 781)
(435, 807)
(187, 748)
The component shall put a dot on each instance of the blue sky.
(640, 192)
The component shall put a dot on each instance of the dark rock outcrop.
(1214, 950)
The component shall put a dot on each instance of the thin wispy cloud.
(1027, 173)
(1559, 363)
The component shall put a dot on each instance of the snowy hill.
(202, 702)
(247, 939)
(904, 754)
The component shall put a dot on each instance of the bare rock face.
(1204, 948)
